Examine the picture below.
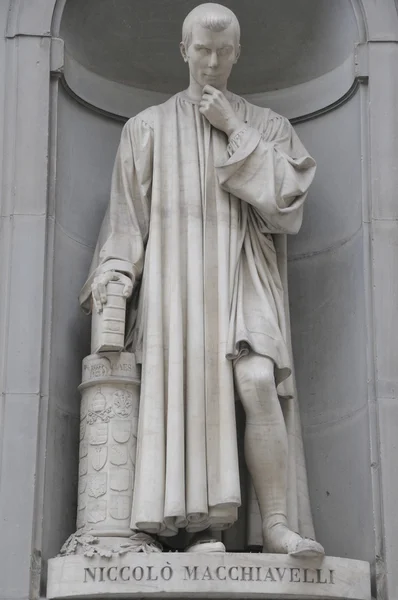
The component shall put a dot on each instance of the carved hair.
(211, 16)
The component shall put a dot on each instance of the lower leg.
(266, 451)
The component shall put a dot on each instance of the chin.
(216, 83)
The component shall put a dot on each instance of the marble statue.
(204, 189)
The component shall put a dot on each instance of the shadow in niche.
(284, 43)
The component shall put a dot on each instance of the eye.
(224, 51)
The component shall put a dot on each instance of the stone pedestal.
(185, 575)
(108, 438)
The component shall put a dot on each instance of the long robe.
(193, 218)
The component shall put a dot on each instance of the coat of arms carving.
(97, 484)
(120, 506)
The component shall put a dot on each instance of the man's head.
(210, 43)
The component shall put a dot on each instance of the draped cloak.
(198, 222)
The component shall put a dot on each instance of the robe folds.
(196, 221)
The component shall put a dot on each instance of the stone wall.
(343, 283)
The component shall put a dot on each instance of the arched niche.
(298, 58)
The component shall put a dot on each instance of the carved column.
(108, 439)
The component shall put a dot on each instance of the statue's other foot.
(308, 548)
(203, 543)
(279, 539)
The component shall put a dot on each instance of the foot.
(205, 545)
(279, 539)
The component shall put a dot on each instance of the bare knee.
(255, 382)
(255, 371)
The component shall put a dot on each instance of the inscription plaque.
(230, 575)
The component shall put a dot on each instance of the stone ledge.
(184, 575)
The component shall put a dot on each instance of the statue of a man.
(202, 188)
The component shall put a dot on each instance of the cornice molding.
(376, 20)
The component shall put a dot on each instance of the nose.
(213, 62)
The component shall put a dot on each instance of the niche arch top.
(135, 43)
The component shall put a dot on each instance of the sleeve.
(124, 231)
(270, 170)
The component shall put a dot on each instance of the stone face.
(210, 575)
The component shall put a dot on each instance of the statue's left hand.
(218, 111)
(99, 287)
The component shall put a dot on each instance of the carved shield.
(121, 431)
(118, 454)
(133, 449)
(83, 424)
(120, 479)
(83, 407)
(82, 485)
(120, 506)
(99, 455)
(83, 466)
(98, 402)
(98, 433)
(83, 449)
(97, 484)
(96, 511)
(122, 403)
(80, 518)
(132, 476)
